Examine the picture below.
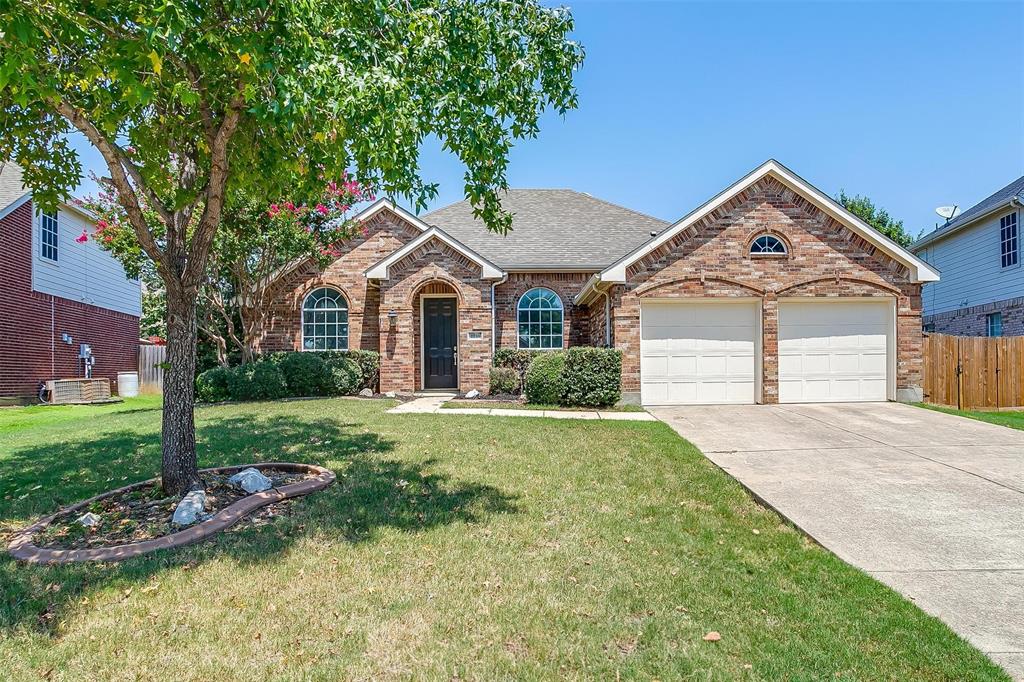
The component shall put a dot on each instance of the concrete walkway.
(431, 404)
(929, 503)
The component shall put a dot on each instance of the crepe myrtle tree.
(267, 98)
(255, 241)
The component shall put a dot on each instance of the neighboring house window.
(325, 320)
(48, 234)
(767, 245)
(929, 328)
(994, 322)
(1008, 242)
(540, 319)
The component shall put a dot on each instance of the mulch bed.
(144, 513)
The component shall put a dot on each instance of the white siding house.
(81, 272)
(980, 257)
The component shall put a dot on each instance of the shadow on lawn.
(372, 492)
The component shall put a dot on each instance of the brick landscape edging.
(21, 546)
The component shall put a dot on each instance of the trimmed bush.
(212, 385)
(367, 361)
(505, 380)
(544, 383)
(346, 375)
(516, 359)
(592, 376)
(257, 381)
(306, 374)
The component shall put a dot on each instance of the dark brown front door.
(440, 336)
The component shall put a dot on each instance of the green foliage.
(367, 361)
(256, 381)
(878, 218)
(212, 385)
(505, 381)
(306, 374)
(544, 382)
(592, 376)
(517, 359)
(346, 375)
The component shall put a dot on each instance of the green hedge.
(291, 374)
(592, 376)
(505, 381)
(517, 360)
(580, 376)
(544, 383)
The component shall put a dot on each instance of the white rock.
(473, 393)
(390, 394)
(366, 393)
(251, 481)
(190, 508)
(89, 520)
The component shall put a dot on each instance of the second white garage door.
(698, 353)
(834, 351)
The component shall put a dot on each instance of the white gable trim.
(489, 269)
(919, 270)
(381, 204)
(11, 207)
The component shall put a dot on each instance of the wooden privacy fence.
(151, 373)
(974, 372)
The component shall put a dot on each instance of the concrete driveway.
(929, 503)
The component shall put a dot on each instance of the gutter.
(940, 234)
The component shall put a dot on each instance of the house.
(59, 292)
(769, 292)
(979, 255)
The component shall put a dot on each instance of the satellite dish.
(948, 212)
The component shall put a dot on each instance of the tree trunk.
(179, 470)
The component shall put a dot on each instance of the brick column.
(397, 353)
(769, 349)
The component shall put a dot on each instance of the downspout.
(494, 315)
(607, 320)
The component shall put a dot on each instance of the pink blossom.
(274, 210)
(321, 209)
(82, 238)
(290, 206)
(101, 225)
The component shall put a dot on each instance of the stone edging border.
(21, 546)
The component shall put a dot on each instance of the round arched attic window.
(767, 245)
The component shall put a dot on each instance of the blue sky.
(914, 104)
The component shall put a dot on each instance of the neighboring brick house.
(58, 294)
(770, 292)
(979, 255)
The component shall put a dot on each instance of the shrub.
(516, 359)
(212, 385)
(505, 380)
(305, 374)
(367, 361)
(257, 381)
(592, 376)
(544, 383)
(346, 375)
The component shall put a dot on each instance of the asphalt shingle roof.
(11, 187)
(1015, 188)
(551, 228)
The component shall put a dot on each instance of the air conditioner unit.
(64, 391)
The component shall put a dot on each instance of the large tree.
(876, 217)
(190, 102)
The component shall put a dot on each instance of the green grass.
(1011, 418)
(512, 405)
(479, 549)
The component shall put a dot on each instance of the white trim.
(14, 205)
(941, 233)
(423, 341)
(381, 204)
(302, 321)
(920, 271)
(561, 307)
(380, 269)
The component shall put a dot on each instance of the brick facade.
(973, 321)
(575, 319)
(711, 259)
(32, 323)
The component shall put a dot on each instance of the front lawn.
(450, 548)
(1011, 418)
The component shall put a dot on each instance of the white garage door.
(835, 351)
(697, 353)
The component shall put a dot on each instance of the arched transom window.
(325, 320)
(767, 244)
(540, 319)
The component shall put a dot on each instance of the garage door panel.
(698, 353)
(834, 351)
